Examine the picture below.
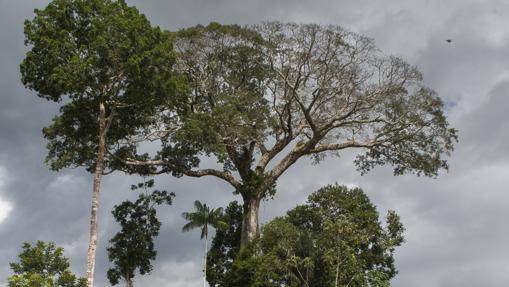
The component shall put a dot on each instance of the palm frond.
(204, 231)
(190, 226)
(221, 225)
(198, 205)
(203, 217)
(217, 213)
(188, 215)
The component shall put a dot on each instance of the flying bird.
(448, 40)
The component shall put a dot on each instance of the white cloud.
(5, 207)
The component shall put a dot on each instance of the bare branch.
(340, 146)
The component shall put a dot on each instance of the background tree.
(113, 72)
(263, 97)
(335, 239)
(43, 265)
(202, 218)
(225, 246)
(132, 247)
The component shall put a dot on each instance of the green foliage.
(335, 239)
(133, 247)
(349, 236)
(202, 218)
(225, 246)
(43, 265)
(84, 53)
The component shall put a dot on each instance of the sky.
(456, 225)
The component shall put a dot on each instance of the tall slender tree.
(202, 218)
(111, 70)
(263, 97)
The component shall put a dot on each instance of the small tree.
(113, 72)
(225, 246)
(202, 218)
(263, 97)
(43, 265)
(133, 247)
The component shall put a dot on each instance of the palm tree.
(202, 218)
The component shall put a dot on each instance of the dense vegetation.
(335, 239)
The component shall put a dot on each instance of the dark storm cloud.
(456, 228)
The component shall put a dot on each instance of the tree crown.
(335, 239)
(261, 97)
(202, 218)
(86, 53)
(132, 248)
(43, 265)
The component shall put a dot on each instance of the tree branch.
(224, 175)
(340, 146)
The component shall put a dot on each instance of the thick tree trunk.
(250, 220)
(92, 244)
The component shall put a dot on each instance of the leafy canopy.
(84, 53)
(335, 239)
(43, 265)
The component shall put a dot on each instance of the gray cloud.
(456, 228)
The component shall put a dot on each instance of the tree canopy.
(310, 87)
(202, 218)
(43, 265)
(86, 53)
(264, 96)
(335, 239)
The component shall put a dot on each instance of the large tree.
(263, 97)
(110, 70)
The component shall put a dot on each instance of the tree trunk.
(250, 220)
(128, 280)
(92, 244)
(205, 263)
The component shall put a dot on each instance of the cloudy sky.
(457, 228)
